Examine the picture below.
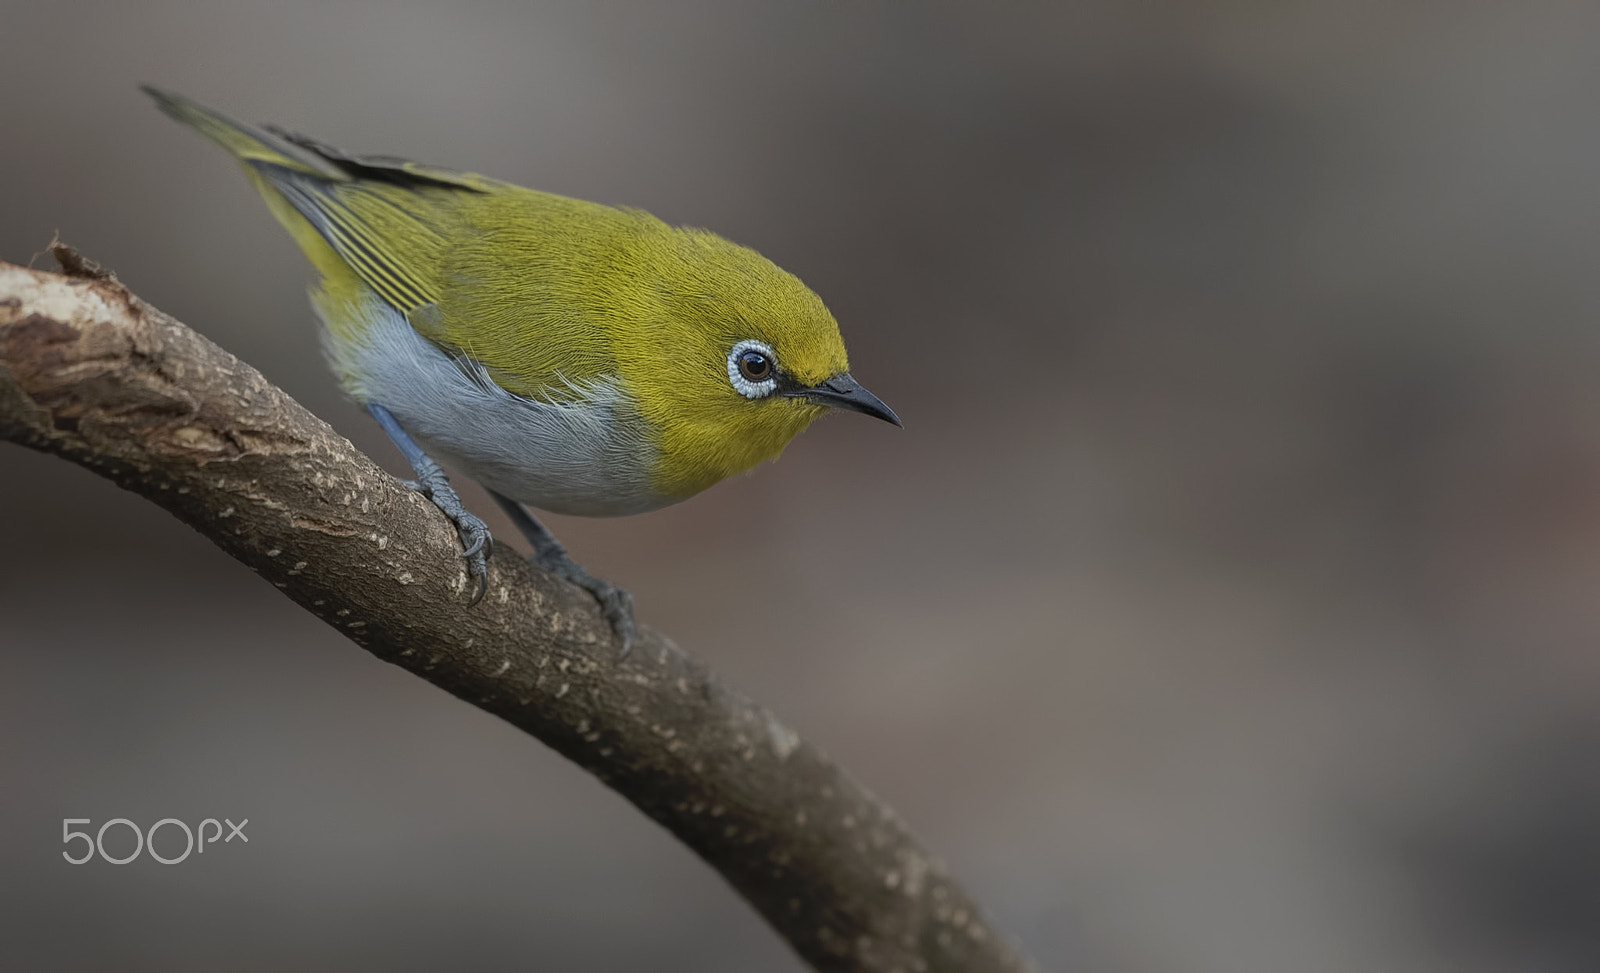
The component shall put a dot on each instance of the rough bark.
(92, 374)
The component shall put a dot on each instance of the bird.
(569, 356)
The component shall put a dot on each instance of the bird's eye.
(755, 366)
(753, 369)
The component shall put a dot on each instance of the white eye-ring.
(753, 368)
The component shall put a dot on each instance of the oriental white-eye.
(570, 356)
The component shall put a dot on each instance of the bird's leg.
(548, 553)
(432, 483)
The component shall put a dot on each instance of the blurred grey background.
(1229, 602)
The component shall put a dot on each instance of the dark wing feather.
(387, 168)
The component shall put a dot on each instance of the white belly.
(584, 453)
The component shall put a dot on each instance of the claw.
(480, 573)
(480, 542)
(476, 541)
(476, 546)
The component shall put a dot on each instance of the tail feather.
(246, 143)
(362, 221)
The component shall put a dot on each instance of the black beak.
(844, 392)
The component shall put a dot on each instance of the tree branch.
(92, 374)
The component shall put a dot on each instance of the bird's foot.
(615, 603)
(549, 554)
(476, 542)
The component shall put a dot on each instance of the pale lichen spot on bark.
(199, 438)
(784, 740)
